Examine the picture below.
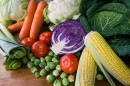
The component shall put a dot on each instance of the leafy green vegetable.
(46, 19)
(105, 20)
(85, 5)
(12, 10)
(11, 64)
(12, 52)
(111, 18)
(85, 23)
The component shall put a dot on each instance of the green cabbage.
(111, 18)
(12, 10)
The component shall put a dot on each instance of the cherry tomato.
(68, 63)
(39, 49)
(28, 42)
(45, 37)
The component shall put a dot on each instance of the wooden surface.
(24, 76)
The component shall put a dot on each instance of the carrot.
(38, 20)
(16, 27)
(28, 20)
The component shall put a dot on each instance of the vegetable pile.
(86, 38)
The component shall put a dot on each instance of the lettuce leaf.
(12, 10)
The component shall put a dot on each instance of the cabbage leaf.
(111, 18)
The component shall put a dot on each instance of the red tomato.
(45, 37)
(69, 63)
(39, 49)
(28, 42)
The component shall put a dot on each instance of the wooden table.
(24, 76)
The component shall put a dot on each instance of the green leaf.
(125, 2)
(124, 22)
(12, 10)
(85, 5)
(92, 9)
(46, 19)
(121, 50)
(85, 23)
(114, 7)
(105, 20)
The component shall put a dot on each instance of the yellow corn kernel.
(113, 64)
(87, 70)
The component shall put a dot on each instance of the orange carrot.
(38, 20)
(16, 27)
(28, 20)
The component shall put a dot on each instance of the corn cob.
(86, 70)
(101, 51)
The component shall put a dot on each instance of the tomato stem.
(65, 62)
(39, 46)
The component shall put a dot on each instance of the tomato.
(68, 63)
(39, 49)
(45, 37)
(28, 42)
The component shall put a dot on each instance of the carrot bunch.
(33, 20)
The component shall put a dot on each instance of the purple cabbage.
(68, 38)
